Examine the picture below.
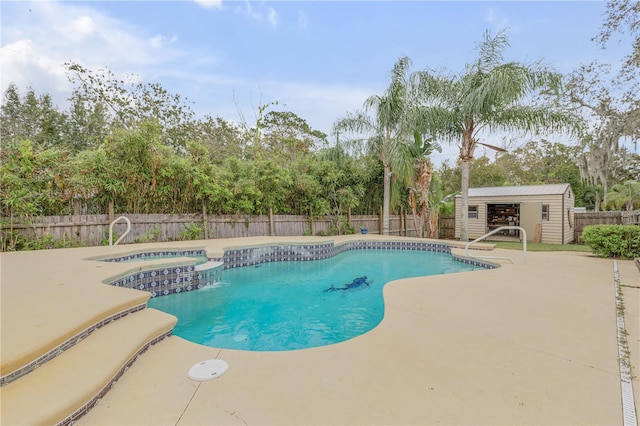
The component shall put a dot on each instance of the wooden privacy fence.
(447, 226)
(603, 218)
(93, 230)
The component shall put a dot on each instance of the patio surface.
(530, 343)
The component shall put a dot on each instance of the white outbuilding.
(544, 211)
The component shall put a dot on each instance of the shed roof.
(506, 191)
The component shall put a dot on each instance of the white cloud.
(498, 20)
(303, 21)
(272, 17)
(158, 41)
(38, 41)
(79, 28)
(209, 4)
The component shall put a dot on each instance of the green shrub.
(150, 236)
(191, 232)
(621, 241)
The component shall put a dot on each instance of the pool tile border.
(250, 256)
(51, 354)
(160, 280)
(163, 281)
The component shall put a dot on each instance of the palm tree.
(384, 129)
(417, 171)
(489, 95)
(624, 195)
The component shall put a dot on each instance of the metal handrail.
(524, 244)
(111, 243)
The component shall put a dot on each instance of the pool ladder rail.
(126, 219)
(488, 234)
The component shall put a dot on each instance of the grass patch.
(513, 245)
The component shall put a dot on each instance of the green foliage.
(17, 242)
(105, 237)
(33, 181)
(624, 196)
(494, 94)
(192, 231)
(150, 236)
(289, 135)
(130, 104)
(341, 226)
(386, 122)
(615, 241)
(11, 240)
(534, 163)
(31, 117)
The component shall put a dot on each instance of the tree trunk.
(464, 201)
(205, 225)
(424, 183)
(413, 202)
(433, 223)
(386, 200)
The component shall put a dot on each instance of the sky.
(318, 59)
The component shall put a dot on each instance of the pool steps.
(66, 387)
(61, 379)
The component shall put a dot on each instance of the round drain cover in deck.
(207, 370)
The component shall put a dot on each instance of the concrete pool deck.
(530, 343)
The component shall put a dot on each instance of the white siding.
(476, 226)
(560, 205)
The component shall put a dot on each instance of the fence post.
(111, 211)
(271, 224)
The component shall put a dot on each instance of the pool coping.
(256, 381)
(130, 274)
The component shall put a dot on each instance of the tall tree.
(594, 91)
(88, 124)
(129, 103)
(223, 138)
(384, 124)
(419, 177)
(608, 95)
(623, 17)
(287, 133)
(490, 94)
(624, 196)
(31, 117)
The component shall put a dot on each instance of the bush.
(621, 241)
(191, 232)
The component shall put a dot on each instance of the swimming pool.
(291, 305)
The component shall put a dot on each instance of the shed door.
(530, 216)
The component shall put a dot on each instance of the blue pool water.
(284, 306)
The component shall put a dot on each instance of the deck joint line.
(626, 386)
